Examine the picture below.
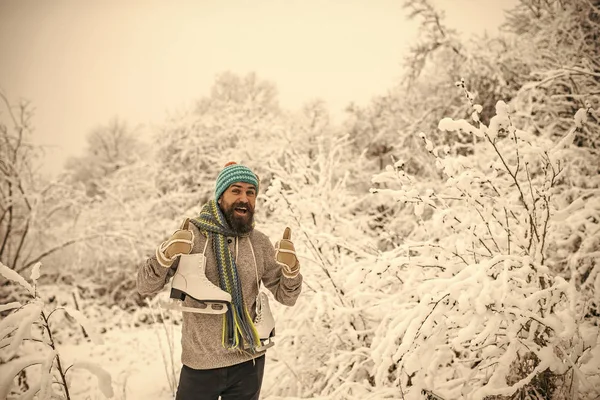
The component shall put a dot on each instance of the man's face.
(237, 204)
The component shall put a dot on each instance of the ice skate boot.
(264, 322)
(190, 280)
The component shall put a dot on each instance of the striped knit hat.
(231, 174)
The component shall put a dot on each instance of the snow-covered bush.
(481, 300)
(27, 339)
(477, 311)
(127, 220)
(322, 340)
(553, 88)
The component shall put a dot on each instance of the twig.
(338, 291)
(583, 72)
(160, 345)
(10, 219)
(489, 231)
(430, 312)
(545, 229)
(33, 340)
(443, 248)
(507, 230)
(58, 363)
(518, 185)
(23, 236)
(169, 336)
(292, 371)
(54, 249)
(533, 200)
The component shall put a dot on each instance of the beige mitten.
(285, 255)
(180, 242)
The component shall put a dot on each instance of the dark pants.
(239, 382)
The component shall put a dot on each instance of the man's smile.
(242, 211)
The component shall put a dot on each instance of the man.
(221, 355)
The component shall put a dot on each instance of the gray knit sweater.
(202, 333)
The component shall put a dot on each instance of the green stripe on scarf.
(237, 323)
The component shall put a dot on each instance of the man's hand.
(285, 255)
(181, 242)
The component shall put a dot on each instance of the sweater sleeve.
(285, 290)
(152, 277)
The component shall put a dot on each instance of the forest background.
(448, 230)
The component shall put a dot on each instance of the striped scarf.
(237, 323)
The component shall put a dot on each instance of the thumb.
(185, 225)
(287, 233)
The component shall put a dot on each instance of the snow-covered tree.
(109, 148)
(240, 121)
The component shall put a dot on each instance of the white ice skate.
(190, 280)
(264, 322)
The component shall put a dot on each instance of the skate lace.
(259, 313)
(259, 300)
(203, 277)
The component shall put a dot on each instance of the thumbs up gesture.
(285, 255)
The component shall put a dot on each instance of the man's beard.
(240, 224)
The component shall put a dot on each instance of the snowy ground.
(140, 363)
(134, 358)
(144, 359)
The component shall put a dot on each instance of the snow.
(500, 121)
(133, 359)
(564, 143)
(9, 306)
(46, 375)
(90, 329)
(15, 277)
(9, 370)
(448, 124)
(580, 117)
(563, 214)
(31, 392)
(35, 272)
(26, 317)
(104, 379)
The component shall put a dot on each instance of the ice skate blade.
(177, 306)
(265, 346)
(179, 295)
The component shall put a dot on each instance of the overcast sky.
(83, 62)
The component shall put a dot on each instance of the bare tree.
(109, 148)
(16, 175)
(29, 204)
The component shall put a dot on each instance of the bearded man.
(222, 353)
